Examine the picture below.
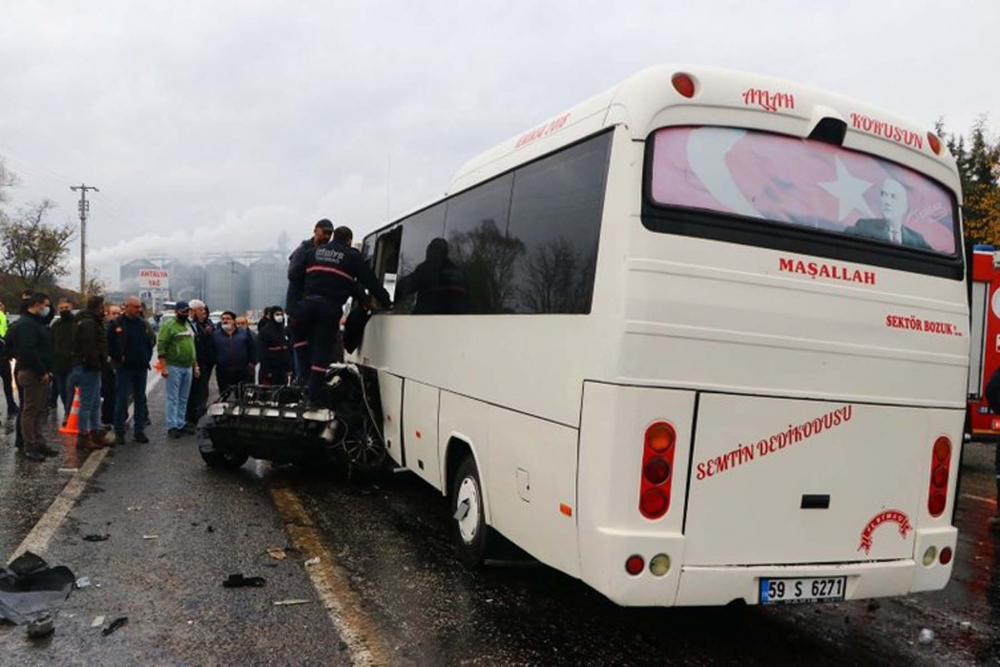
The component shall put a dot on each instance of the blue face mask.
(44, 312)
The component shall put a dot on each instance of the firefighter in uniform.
(326, 277)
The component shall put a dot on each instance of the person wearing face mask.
(178, 364)
(235, 356)
(90, 358)
(31, 344)
(274, 349)
(62, 328)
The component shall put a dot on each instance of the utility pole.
(84, 210)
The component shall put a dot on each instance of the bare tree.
(555, 280)
(30, 248)
(487, 256)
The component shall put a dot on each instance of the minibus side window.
(475, 275)
(419, 230)
(555, 215)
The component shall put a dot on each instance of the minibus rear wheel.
(471, 534)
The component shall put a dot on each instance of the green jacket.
(3, 324)
(175, 343)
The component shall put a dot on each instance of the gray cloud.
(219, 125)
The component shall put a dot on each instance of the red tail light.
(683, 84)
(634, 565)
(945, 556)
(937, 495)
(657, 470)
(935, 143)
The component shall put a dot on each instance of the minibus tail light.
(937, 493)
(683, 84)
(934, 142)
(656, 475)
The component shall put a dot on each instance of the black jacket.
(204, 345)
(30, 344)
(273, 349)
(295, 282)
(335, 272)
(90, 344)
(129, 343)
(63, 329)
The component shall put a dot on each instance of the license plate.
(806, 589)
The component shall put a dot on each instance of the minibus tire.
(472, 551)
(224, 461)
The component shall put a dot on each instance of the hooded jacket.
(63, 330)
(90, 343)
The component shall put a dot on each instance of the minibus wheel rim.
(468, 525)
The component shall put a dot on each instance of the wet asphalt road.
(388, 540)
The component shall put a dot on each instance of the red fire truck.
(984, 346)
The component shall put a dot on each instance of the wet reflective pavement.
(388, 538)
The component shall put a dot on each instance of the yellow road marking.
(342, 603)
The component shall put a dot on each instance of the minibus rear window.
(800, 182)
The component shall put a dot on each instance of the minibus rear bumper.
(695, 585)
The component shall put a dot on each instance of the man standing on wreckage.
(321, 280)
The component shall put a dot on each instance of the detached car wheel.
(224, 460)
(469, 530)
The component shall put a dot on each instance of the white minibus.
(702, 338)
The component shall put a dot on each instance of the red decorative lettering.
(542, 131)
(831, 271)
(744, 454)
(901, 520)
(895, 133)
(913, 323)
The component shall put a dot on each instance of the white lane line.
(37, 541)
(988, 501)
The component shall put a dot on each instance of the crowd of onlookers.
(102, 356)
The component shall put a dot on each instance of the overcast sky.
(218, 125)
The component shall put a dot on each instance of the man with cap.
(322, 233)
(178, 364)
(329, 274)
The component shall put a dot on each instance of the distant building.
(227, 285)
(128, 275)
(187, 281)
(268, 282)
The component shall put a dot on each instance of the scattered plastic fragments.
(289, 603)
(926, 636)
(41, 627)
(150, 537)
(239, 581)
(210, 529)
(96, 537)
(30, 589)
(82, 582)
(133, 509)
(98, 621)
(119, 622)
(312, 561)
(277, 553)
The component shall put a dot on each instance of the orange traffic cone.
(72, 425)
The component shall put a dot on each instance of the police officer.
(329, 274)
